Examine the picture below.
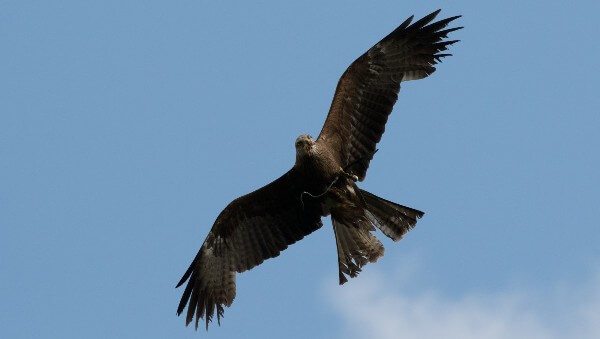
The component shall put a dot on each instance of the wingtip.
(405, 23)
(444, 33)
(427, 19)
(190, 269)
(451, 19)
(342, 278)
(181, 307)
(433, 14)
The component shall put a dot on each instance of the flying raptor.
(322, 182)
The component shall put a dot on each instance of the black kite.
(322, 182)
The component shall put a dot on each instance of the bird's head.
(303, 144)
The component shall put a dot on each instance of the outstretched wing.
(368, 89)
(251, 229)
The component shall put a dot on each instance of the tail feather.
(392, 219)
(356, 246)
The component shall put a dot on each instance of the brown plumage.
(322, 182)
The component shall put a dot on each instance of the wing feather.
(368, 89)
(251, 229)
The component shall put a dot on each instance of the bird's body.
(323, 179)
(316, 161)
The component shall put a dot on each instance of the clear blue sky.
(125, 128)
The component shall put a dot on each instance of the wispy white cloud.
(374, 306)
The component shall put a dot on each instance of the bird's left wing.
(251, 229)
(368, 89)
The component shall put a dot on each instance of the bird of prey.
(322, 182)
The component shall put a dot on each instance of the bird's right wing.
(251, 229)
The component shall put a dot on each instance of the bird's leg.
(351, 176)
(347, 170)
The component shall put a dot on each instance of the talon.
(354, 177)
